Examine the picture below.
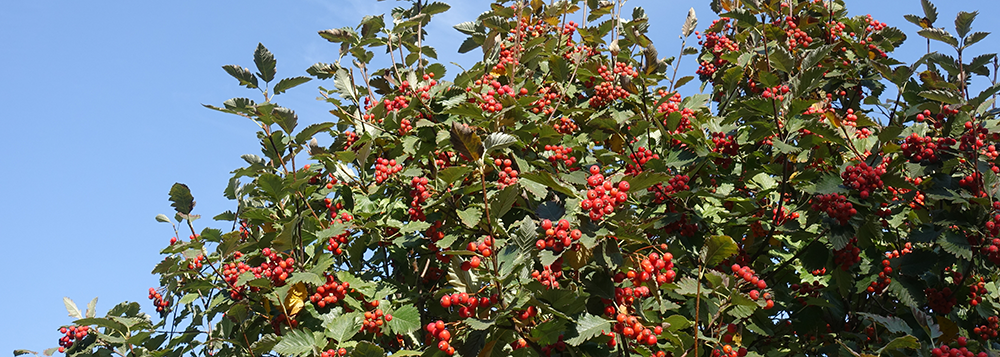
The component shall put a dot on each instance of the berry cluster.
(992, 250)
(960, 351)
(883, 280)
(526, 314)
(275, 268)
(676, 184)
(484, 248)
(631, 328)
(727, 350)
(717, 44)
(466, 304)
(653, 267)
(639, 159)
(330, 293)
(863, 178)
(796, 37)
(989, 330)
(671, 106)
(807, 290)
(490, 101)
(848, 256)
(941, 301)
(231, 274)
(543, 105)
(549, 274)
(418, 195)
(508, 176)
(374, 320)
(334, 353)
(726, 146)
(334, 243)
(384, 168)
(924, 149)
(608, 91)
(565, 126)
(624, 297)
(350, 138)
(750, 277)
(557, 236)
(976, 292)
(972, 183)
(557, 347)
(603, 196)
(71, 333)
(196, 263)
(776, 92)
(436, 331)
(561, 153)
(162, 305)
(973, 139)
(835, 205)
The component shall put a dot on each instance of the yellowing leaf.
(833, 118)
(578, 258)
(296, 298)
(268, 227)
(729, 5)
(925, 23)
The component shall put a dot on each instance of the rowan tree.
(561, 197)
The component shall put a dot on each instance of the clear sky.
(102, 105)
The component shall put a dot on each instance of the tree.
(561, 197)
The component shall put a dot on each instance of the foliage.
(561, 198)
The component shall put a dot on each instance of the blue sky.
(103, 109)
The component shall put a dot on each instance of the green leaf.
(435, 8)
(242, 74)
(162, 218)
(308, 132)
(296, 343)
(71, 308)
(465, 141)
(963, 22)
(941, 95)
(289, 83)
(902, 342)
(645, 180)
(956, 244)
(343, 327)
(405, 319)
(188, 298)
(322, 70)
(181, 197)
(938, 34)
(717, 249)
(265, 343)
(687, 286)
(286, 118)
(24, 352)
(265, 62)
(816, 56)
(588, 326)
(470, 216)
(974, 38)
(930, 11)
(545, 179)
(338, 35)
(892, 323)
(497, 141)
(306, 277)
